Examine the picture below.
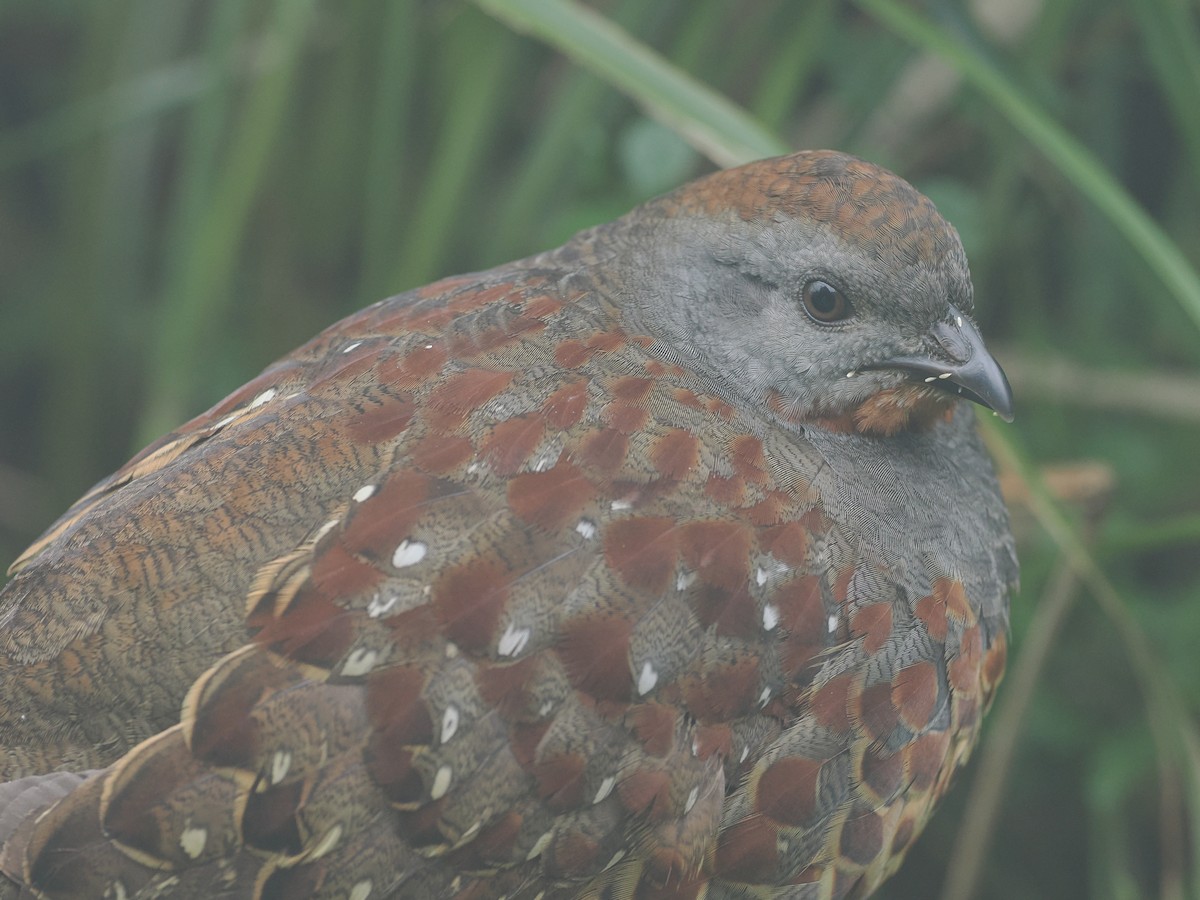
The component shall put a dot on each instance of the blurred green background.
(190, 188)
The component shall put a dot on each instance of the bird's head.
(820, 285)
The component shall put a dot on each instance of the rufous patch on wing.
(381, 419)
(565, 406)
(473, 298)
(787, 790)
(543, 306)
(314, 629)
(874, 623)
(643, 551)
(829, 703)
(630, 388)
(647, 792)
(217, 721)
(420, 364)
(336, 572)
(338, 370)
(861, 839)
(459, 395)
(560, 780)
(748, 459)
(748, 850)
(552, 498)
(874, 710)
(953, 598)
(625, 417)
(675, 453)
(993, 665)
(603, 450)
(439, 454)
(719, 550)
(881, 772)
(964, 669)
(378, 524)
(932, 611)
(469, 598)
(594, 650)
(489, 340)
(788, 543)
(729, 492)
(511, 442)
(915, 694)
(722, 689)
(574, 853)
(926, 757)
(653, 724)
(396, 707)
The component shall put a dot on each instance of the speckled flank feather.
(533, 612)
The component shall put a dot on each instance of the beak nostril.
(950, 340)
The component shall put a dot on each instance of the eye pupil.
(824, 303)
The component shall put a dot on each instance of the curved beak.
(967, 369)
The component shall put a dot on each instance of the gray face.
(727, 294)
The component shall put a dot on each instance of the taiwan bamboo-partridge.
(667, 563)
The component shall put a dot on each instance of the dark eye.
(825, 304)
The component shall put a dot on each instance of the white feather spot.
(225, 421)
(409, 553)
(621, 504)
(695, 746)
(931, 378)
(192, 840)
(470, 833)
(281, 762)
(472, 468)
(347, 349)
(606, 787)
(364, 493)
(692, 797)
(616, 858)
(379, 606)
(361, 890)
(119, 892)
(449, 723)
(587, 528)
(451, 650)
(770, 616)
(945, 375)
(360, 661)
(832, 623)
(764, 696)
(958, 321)
(513, 641)
(325, 529)
(542, 843)
(745, 752)
(546, 708)
(760, 576)
(429, 346)
(441, 783)
(851, 373)
(648, 679)
(265, 397)
(327, 842)
(684, 580)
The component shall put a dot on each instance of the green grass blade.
(711, 123)
(202, 295)
(1072, 159)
